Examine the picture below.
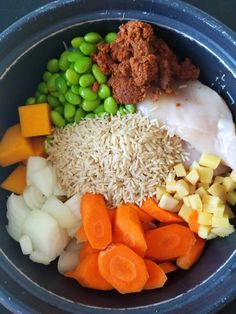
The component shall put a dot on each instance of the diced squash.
(185, 212)
(217, 189)
(168, 202)
(204, 218)
(38, 146)
(171, 186)
(159, 192)
(231, 198)
(205, 174)
(182, 188)
(16, 181)
(195, 202)
(180, 170)
(223, 232)
(218, 179)
(14, 147)
(233, 175)
(229, 184)
(35, 120)
(209, 160)
(204, 231)
(192, 176)
(221, 222)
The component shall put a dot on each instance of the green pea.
(98, 109)
(122, 111)
(61, 84)
(41, 99)
(87, 48)
(62, 98)
(69, 111)
(76, 42)
(60, 110)
(75, 89)
(46, 76)
(52, 66)
(72, 76)
(63, 62)
(30, 101)
(51, 83)
(83, 64)
(92, 37)
(72, 98)
(110, 37)
(90, 105)
(74, 55)
(80, 114)
(102, 114)
(90, 115)
(99, 76)
(87, 93)
(104, 91)
(42, 88)
(86, 80)
(56, 94)
(57, 119)
(130, 108)
(110, 105)
(53, 101)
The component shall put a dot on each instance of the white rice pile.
(123, 158)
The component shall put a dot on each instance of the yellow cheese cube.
(171, 186)
(201, 191)
(221, 222)
(185, 212)
(168, 202)
(205, 174)
(192, 176)
(159, 192)
(209, 160)
(218, 179)
(229, 184)
(195, 202)
(204, 231)
(180, 170)
(218, 189)
(233, 175)
(204, 218)
(223, 232)
(182, 188)
(231, 198)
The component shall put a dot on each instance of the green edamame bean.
(63, 62)
(80, 114)
(99, 108)
(110, 37)
(42, 88)
(87, 93)
(83, 64)
(69, 111)
(74, 55)
(62, 98)
(122, 111)
(30, 101)
(41, 99)
(56, 94)
(57, 119)
(86, 80)
(52, 66)
(75, 89)
(130, 108)
(71, 76)
(110, 105)
(87, 48)
(99, 76)
(53, 101)
(90, 115)
(76, 42)
(92, 37)
(102, 114)
(60, 110)
(72, 98)
(104, 91)
(61, 85)
(51, 83)
(90, 105)
(46, 76)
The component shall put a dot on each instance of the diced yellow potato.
(159, 192)
(229, 184)
(185, 212)
(195, 165)
(228, 212)
(221, 222)
(168, 202)
(170, 177)
(219, 211)
(171, 186)
(192, 176)
(218, 179)
(178, 207)
(177, 197)
(223, 232)
(204, 185)
(209, 160)
(204, 231)
(201, 191)
(213, 201)
(233, 175)
(231, 198)
(211, 236)
(192, 189)
(204, 218)
(218, 189)
(205, 174)
(195, 202)
(180, 170)
(182, 188)
(186, 201)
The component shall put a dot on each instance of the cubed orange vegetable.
(14, 147)
(35, 120)
(39, 146)
(16, 181)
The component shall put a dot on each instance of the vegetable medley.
(160, 204)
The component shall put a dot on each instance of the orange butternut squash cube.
(35, 120)
(14, 147)
(16, 181)
(39, 146)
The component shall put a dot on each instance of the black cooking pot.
(25, 48)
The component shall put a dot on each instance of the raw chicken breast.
(199, 116)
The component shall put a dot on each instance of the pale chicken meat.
(199, 116)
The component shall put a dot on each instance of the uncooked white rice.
(123, 158)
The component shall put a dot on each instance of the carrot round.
(80, 234)
(193, 254)
(96, 221)
(168, 267)
(192, 221)
(143, 216)
(169, 242)
(86, 249)
(152, 208)
(88, 275)
(112, 213)
(123, 268)
(128, 229)
(157, 276)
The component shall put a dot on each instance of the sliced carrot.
(143, 216)
(86, 249)
(148, 226)
(16, 181)
(128, 229)
(169, 242)
(192, 221)
(96, 221)
(38, 143)
(152, 208)
(80, 234)
(112, 213)
(157, 276)
(168, 267)
(88, 275)
(123, 268)
(192, 255)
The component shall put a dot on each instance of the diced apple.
(204, 231)
(185, 212)
(192, 176)
(159, 192)
(168, 202)
(209, 160)
(182, 188)
(229, 184)
(204, 218)
(195, 202)
(171, 186)
(233, 175)
(221, 222)
(223, 232)
(218, 179)
(217, 189)
(201, 191)
(180, 170)
(205, 174)
(231, 198)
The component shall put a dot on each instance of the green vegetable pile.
(75, 87)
